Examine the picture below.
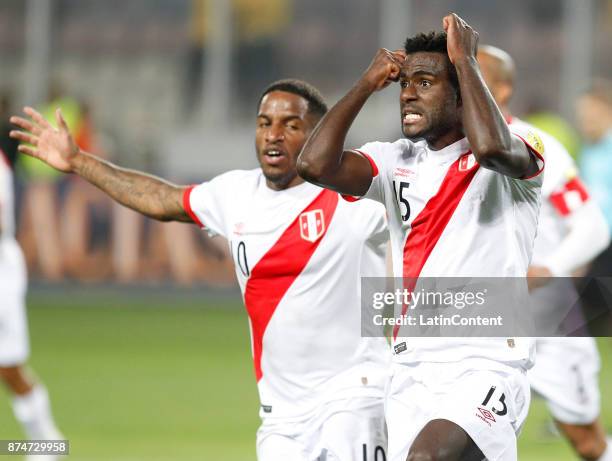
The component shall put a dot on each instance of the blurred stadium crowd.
(147, 83)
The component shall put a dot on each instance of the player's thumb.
(61, 123)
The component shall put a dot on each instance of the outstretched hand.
(54, 146)
(462, 40)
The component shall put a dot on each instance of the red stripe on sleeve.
(351, 198)
(282, 264)
(187, 206)
(372, 163)
(428, 226)
(573, 194)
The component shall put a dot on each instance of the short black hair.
(432, 42)
(316, 104)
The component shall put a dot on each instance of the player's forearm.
(147, 194)
(484, 124)
(321, 156)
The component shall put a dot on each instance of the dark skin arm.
(485, 127)
(147, 194)
(323, 160)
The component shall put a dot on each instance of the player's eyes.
(293, 127)
(404, 84)
(425, 83)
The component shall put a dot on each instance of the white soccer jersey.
(448, 217)
(299, 254)
(7, 220)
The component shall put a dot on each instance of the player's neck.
(445, 140)
(281, 185)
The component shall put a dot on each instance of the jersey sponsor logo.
(312, 225)
(239, 228)
(404, 173)
(399, 348)
(467, 162)
(267, 408)
(485, 415)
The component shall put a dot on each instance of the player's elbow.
(309, 170)
(489, 154)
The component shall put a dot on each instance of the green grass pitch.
(160, 377)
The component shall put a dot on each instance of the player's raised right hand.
(384, 69)
(54, 146)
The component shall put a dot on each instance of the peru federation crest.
(312, 225)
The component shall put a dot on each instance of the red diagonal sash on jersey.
(279, 268)
(428, 226)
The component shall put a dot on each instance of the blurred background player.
(30, 399)
(594, 115)
(571, 233)
(299, 252)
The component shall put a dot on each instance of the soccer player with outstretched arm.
(299, 253)
(462, 193)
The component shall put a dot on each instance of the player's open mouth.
(273, 156)
(411, 117)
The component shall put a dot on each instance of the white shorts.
(342, 430)
(487, 399)
(14, 343)
(566, 375)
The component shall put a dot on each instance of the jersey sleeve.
(207, 203)
(536, 148)
(374, 153)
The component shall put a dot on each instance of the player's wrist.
(465, 61)
(365, 86)
(77, 161)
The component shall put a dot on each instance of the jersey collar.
(449, 153)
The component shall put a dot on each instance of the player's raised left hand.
(54, 146)
(462, 40)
